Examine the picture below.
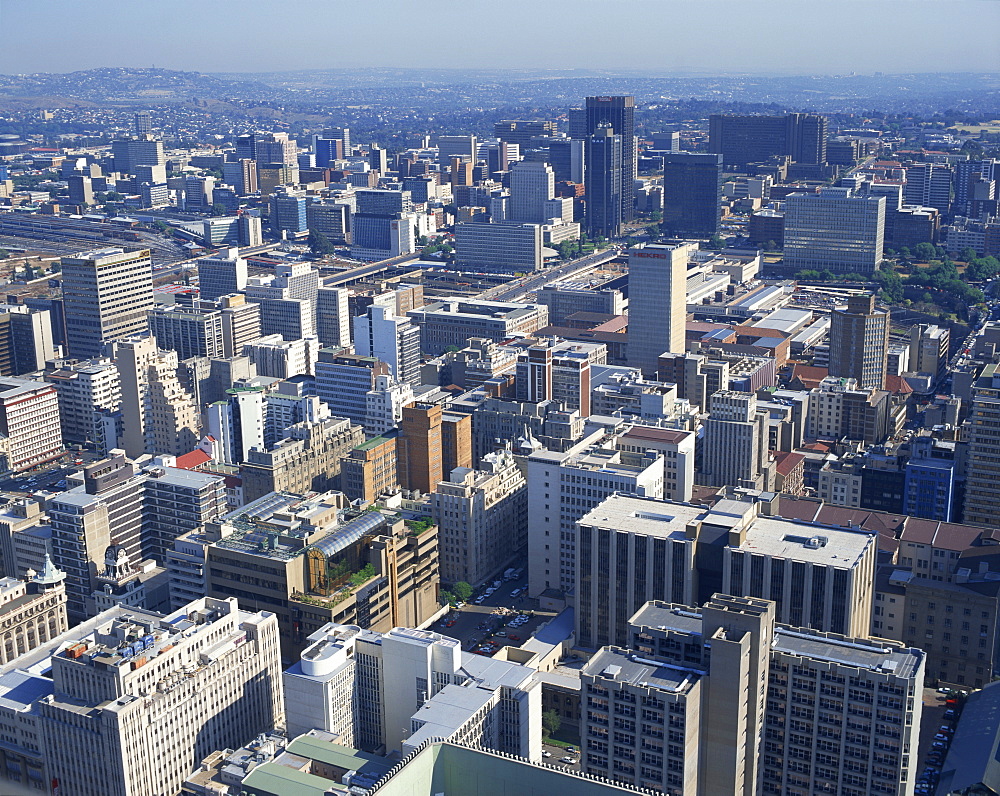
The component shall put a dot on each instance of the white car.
(546, 753)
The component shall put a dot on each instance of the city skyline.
(893, 37)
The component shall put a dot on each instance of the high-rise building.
(394, 691)
(333, 320)
(558, 370)
(744, 139)
(928, 185)
(287, 299)
(85, 390)
(604, 177)
(222, 274)
(275, 148)
(344, 380)
(982, 477)
(369, 471)
(81, 189)
(25, 339)
(836, 230)
(657, 302)
(456, 146)
(120, 693)
(277, 358)
(242, 175)
(819, 577)
(859, 342)
(394, 340)
(330, 219)
(385, 404)
(619, 114)
(562, 486)
(567, 156)
(288, 213)
(240, 323)
(692, 194)
(237, 423)
(106, 296)
(133, 152)
(29, 422)
(421, 459)
(532, 184)
(189, 332)
(482, 519)
(734, 448)
(968, 174)
(504, 247)
(719, 692)
(143, 124)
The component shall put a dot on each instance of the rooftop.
(623, 666)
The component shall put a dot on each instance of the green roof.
(273, 779)
(335, 754)
(372, 443)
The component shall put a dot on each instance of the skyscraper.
(743, 139)
(221, 275)
(735, 444)
(835, 230)
(531, 185)
(394, 340)
(982, 478)
(619, 112)
(657, 276)
(859, 342)
(604, 177)
(106, 295)
(692, 193)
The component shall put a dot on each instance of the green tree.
(967, 254)
(448, 597)
(551, 723)
(924, 251)
(320, 243)
(462, 590)
(716, 242)
(4, 254)
(219, 210)
(656, 216)
(770, 246)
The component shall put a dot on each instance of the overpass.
(529, 284)
(363, 271)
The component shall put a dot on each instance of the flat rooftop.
(622, 666)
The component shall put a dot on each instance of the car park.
(570, 761)
(546, 753)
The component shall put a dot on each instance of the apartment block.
(85, 389)
(29, 424)
(370, 470)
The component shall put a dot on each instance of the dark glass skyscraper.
(619, 112)
(753, 139)
(603, 178)
(692, 194)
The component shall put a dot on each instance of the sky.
(705, 36)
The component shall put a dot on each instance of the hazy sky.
(767, 36)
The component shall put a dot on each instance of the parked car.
(570, 761)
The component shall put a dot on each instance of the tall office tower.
(190, 332)
(159, 415)
(333, 320)
(237, 423)
(819, 577)
(342, 134)
(657, 275)
(154, 194)
(106, 297)
(928, 185)
(143, 124)
(249, 230)
(81, 189)
(836, 230)
(106, 511)
(562, 486)
(240, 323)
(498, 157)
(677, 449)
(332, 219)
(25, 339)
(85, 389)
(29, 420)
(133, 152)
(198, 193)
(421, 461)
(384, 405)
(722, 689)
(378, 159)
(154, 172)
(383, 225)
(567, 157)
(692, 194)
(277, 358)
(327, 151)
(619, 113)
(178, 501)
(505, 247)
(396, 690)
(456, 146)
(859, 342)
(982, 477)
(288, 212)
(394, 340)
(122, 695)
(242, 175)
(735, 442)
(521, 131)
(560, 371)
(604, 177)
(344, 380)
(275, 148)
(967, 174)
(531, 186)
(482, 519)
(752, 139)
(246, 147)
(287, 299)
(221, 275)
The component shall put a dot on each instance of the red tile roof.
(786, 461)
(189, 461)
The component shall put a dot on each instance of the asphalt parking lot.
(473, 624)
(932, 719)
(46, 477)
